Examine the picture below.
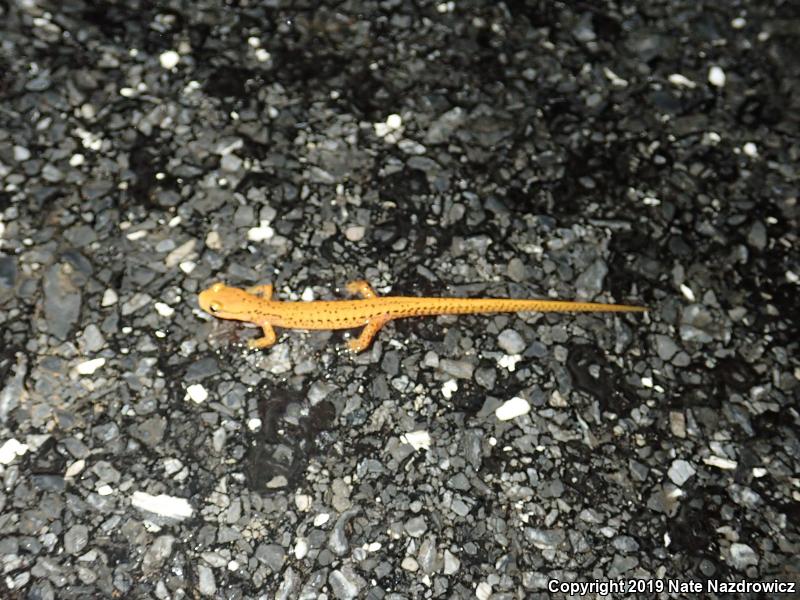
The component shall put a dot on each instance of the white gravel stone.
(165, 310)
(261, 233)
(166, 506)
(743, 556)
(716, 76)
(169, 59)
(197, 393)
(720, 462)
(11, 450)
(511, 409)
(206, 582)
(110, 298)
(679, 80)
(88, 367)
(419, 440)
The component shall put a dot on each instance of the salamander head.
(227, 302)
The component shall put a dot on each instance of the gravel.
(515, 149)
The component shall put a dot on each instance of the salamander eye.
(214, 307)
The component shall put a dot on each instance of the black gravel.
(638, 152)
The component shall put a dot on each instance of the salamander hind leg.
(361, 288)
(267, 340)
(265, 291)
(369, 332)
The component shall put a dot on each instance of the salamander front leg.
(265, 291)
(363, 341)
(267, 340)
(361, 288)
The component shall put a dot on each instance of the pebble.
(110, 298)
(557, 400)
(486, 377)
(583, 30)
(169, 59)
(218, 439)
(244, 216)
(666, 347)
(419, 440)
(75, 447)
(415, 526)
(206, 583)
(164, 505)
(442, 128)
(180, 254)
(459, 507)
(517, 271)
(52, 174)
(679, 80)
(742, 556)
(88, 367)
(690, 333)
(677, 424)
(511, 342)
(197, 393)
(337, 542)
(138, 301)
(545, 539)
(537, 350)
(680, 472)
(75, 539)
(157, 553)
(92, 339)
(62, 301)
(344, 583)
(150, 431)
(261, 233)
(511, 409)
(716, 76)
(590, 282)
(10, 450)
(427, 555)
(410, 564)
(106, 472)
(452, 564)
(165, 245)
(394, 121)
(272, 555)
(625, 543)
(165, 310)
(301, 548)
(213, 240)
(202, 369)
(757, 236)
(21, 153)
(215, 559)
(8, 267)
(721, 462)
(483, 591)
(230, 163)
(460, 369)
(355, 233)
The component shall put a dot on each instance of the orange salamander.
(255, 305)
